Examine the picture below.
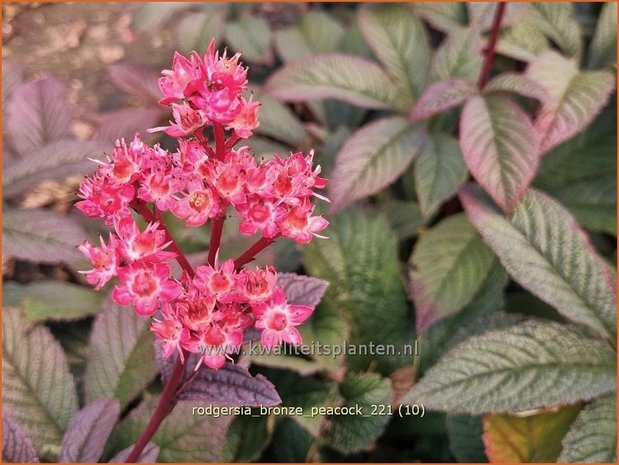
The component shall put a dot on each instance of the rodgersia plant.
(206, 310)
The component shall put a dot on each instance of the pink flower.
(105, 261)
(198, 206)
(261, 215)
(103, 198)
(217, 281)
(220, 106)
(214, 344)
(148, 245)
(300, 225)
(172, 334)
(257, 286)
(186, 121)
(124, 166)
(182, 80)
(224, 72)
(247, 119)
(145, 285)
(228, 179)
(278, 320)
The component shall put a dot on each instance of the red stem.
(164, 406)
(250, 253)
(220, 141)
(149, 216)
(216, 230)
(484, 76)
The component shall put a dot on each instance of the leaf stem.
(220, 141)
(256, 248)
(164, 406)
(484, 76)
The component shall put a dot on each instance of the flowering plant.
(207, 309)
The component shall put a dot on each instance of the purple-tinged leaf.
(458, 56)
(442, 16)
(148, 455)
(116, 125)
(338, 76)
(542, 247)
(166, 365)
(231, 385)
(41, 236)
(576, 97)
(138, 80)
(55, 161)
(374, 157)
(38, 113)
(16, 446)
(498, 142)
(442, 96)
(517, 84)
(12, 76)
(88, 431)
(302, 290)
(481, 14)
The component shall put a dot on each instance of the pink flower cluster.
(206, 310)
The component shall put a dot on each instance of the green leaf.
(354, 433)
(404, 217)
(196, 30)
(291, 443)
(518, 84)
(38, 391)
(41, 236)
(465, 443)
(279, 122)
(360, 263)
(459, 55)
(122, 359)
(55, 161)
(316, 32)
(344, 77)
(481, 14)
(184, 436)
(532, 365)
(558, 21)
(439, 172)
(576, 97)
(252, 37)
(372, 158)
(442, 96)
(522, 41)
(54, 300)
(246, 439)
(593, 436)
(497, 139)
(530, 438)
(443, 16)
(400, 42)
(543, 249)
(603, 48)
(448, 266)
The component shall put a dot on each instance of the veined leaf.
(558, 21)
(302, 290)
(231, 385)
(498, 142)
(184, 436)
(372, 158)
(442, 96)
(148, 455)
(532, 365)
(458, 56)
(16, 446)
(399, 41)
(279, 122)
(443, 16)
(247, 438)
(531, 438)
(344, 77)
(439, 172)
(196, 30)
(523, 40)
(138, 80)
(38, 113)
(543, 249)
(349, 434)
(122, 360)
(481, 14)
(576, 97)
(55, 161)
(125, 123)
(89, 429)
(464, 433)
(38, 391)
(517, 84)
(41, 236)
(251, 36)
(593, 436)
(603, 48)
(404, 217)
(360, 263)
(448, 266)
